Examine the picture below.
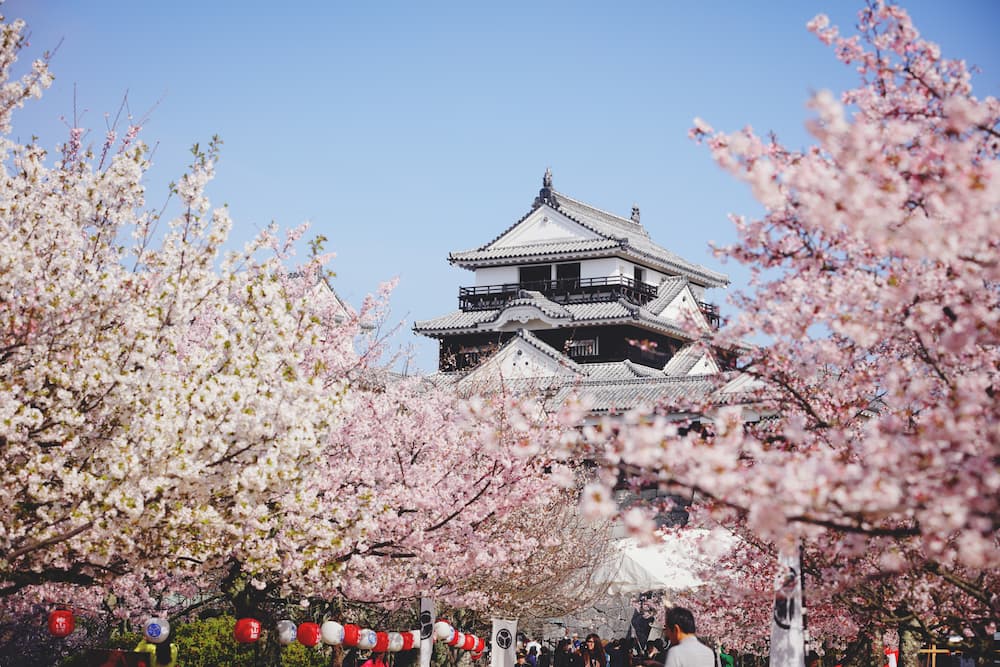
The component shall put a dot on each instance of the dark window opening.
(568, 271)
(535, 277)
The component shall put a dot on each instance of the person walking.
(565, 656)
(654, 654)
(592, 652)
(685, 649)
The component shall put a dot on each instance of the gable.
(520, 360)
(704, 366)
(524, 316)
(544, 225)
(684, 307)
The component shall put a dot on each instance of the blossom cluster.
(867, 425)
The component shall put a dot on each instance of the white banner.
(427, 618)
(504, 638)
(787, 631)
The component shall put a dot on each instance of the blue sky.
(405, 130)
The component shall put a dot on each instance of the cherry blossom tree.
(183, 426)
(866, 425)
(154, 390)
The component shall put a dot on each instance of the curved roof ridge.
(645, 371)
(612, 218)
(540, 301)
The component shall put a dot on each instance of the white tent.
(668, 565)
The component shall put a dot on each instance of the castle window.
(582, 348)
(568, 271)
(534, 277)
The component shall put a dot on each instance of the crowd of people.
(679, 648)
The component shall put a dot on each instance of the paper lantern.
(395, 642)
(457, 639)
(351, 634)
(366, 638)
(247, 630)
(61, 623)
(332, 632)
(381, 642)
(480, 645)
(443, 630)
(308, 634)
(476, 656)
(469, 643)
(287, 632)
(156, 630)
(411, 639)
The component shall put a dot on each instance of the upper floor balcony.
(572, 290)
(560, 290)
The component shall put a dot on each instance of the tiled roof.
(684, 360)
(601, 312)
(617, 232)
(617, 394)
(667, 292)
(617, 386)
(539, 300)
(456, 320)
(621, 395)
(619, 370)
(533, 250)
(610, 225)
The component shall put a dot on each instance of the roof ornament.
(635, 214)
(546, 195)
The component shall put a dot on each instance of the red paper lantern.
(457, 639)
(407, 641)
(469, 643)
(61, 623)
(351, 634)
(480, 646)
(476, 656)
(381, 642)
(247, 630)
(308, 634)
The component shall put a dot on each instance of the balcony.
(564, 290)
(711, 313)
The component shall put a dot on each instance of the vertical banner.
(427, 614)
(504, 638)
(787, 632)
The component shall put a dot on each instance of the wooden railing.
(561, 290)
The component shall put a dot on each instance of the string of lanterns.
(332, 633)
(61, 624)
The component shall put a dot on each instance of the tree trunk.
(863, 652)
(909, 643)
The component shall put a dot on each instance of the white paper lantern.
(416, 637)
(395, 642)
(156, 630)
(366, 638)
(443, 630)
(286, 632)
(332, 633)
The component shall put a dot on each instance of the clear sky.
(405, 130)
